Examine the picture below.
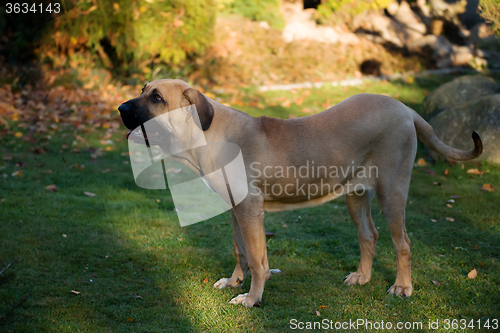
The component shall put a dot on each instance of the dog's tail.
(426, 134)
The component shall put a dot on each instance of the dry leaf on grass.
(89, 194)
(206, 280)
(318, 314)
(451, 219)
(51, 188)
(136, 296)
(75, 292)
(472, 274)
(436, 283)
(17, 173)
(475, 172)
(487, 187)
(322, 306)
(421, 162)
(432, 220)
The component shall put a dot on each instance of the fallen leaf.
(480, 263)
(17, 173)
(136, 296)
(446, 172)
(318, 314)
(451, 219)
(48, 171)
(322, 306)
(51, 188)
(108, 148)
(130, 320)
(487, 187)
(451, 201)
(475, 172)
(206, 280)
(472, 274)
(64, 235)
(18, 134)
(421, 162)
(285, 226)
(436, 283)
(89, 194)
(270, 234)
(286, 103)
(75, 292)
(436, 184)
(432, 220)
(449, 206)
(454, 196)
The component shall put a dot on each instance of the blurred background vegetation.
(135, 40)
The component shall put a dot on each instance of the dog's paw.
(243, 299)
(222, 283)
(227, 283)
(400, 290)
(356, 278)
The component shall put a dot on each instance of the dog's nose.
(124, 109)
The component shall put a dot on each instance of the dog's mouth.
(142, 136)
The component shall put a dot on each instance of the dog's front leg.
(241, 269)
(250, 217)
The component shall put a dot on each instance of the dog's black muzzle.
(133, 114)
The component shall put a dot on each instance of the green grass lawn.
(126, 242)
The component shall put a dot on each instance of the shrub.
(257, 10)
(490, 10)
(329, 8)
(128, 33)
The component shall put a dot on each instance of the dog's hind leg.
(359, 208)
(392, 198)
(241, 269)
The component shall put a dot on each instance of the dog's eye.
(157, 97)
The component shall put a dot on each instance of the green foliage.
(257, 10)
(490, 10)
(348, 7)
(139, 31)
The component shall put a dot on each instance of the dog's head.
(166, 108)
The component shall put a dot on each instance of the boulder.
(469, 103)
(300, 25)
(388, 29)
(456, 93)
(454, 126)
(408, 19)
(442, 49)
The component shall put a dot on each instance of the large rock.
(301, 26)
(470, 103)
(408, 19)
(458, 92)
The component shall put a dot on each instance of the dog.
(364, 131)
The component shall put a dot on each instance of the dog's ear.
(203, 106)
